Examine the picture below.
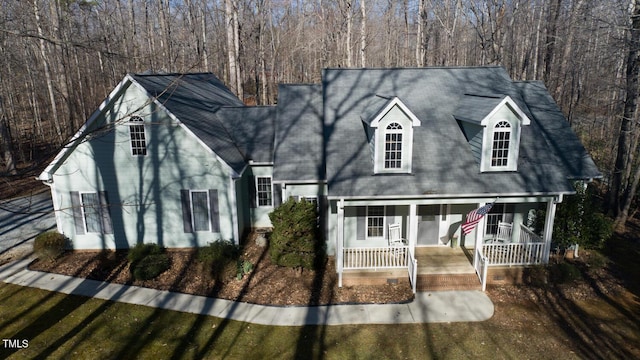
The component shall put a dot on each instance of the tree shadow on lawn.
(59, 312)
(198, 324)
(597, 335)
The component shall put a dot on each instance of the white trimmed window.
(264, 192)
(375, 221)
(91, 212)
(137, 136)
(311, 199)
(498, 213)
(200, 210)
(393, 146)
(500, 144)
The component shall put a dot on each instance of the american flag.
(474, 217)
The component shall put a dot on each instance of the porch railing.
(529, 251)
(527, 235)
(396, 257)
(375, 258)
(481, 267)
(413, 269)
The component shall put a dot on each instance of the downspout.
(56, 205)
(234, 209)
(340, 241)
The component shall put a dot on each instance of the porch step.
(442, 282)
(382, 277)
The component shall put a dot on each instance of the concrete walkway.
(442, 306)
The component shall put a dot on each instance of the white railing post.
(485, 270)
(548, 228)
(340, 256)
(412, 268)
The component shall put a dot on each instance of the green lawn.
(63, 326)
(550, 326)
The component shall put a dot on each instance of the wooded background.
(60, 58)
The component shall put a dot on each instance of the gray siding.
(474, 135)
(144, 191)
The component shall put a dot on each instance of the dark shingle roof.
(474, 108)
(299, 152)
(557, 132)
(442, 162)
(195, 99)
(252, 129)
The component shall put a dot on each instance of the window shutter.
(186, 211)
(214, 211)
(252, 192)
(277, 195)
(390, 217)
(76, 206)
(361, 226)
(105, 213)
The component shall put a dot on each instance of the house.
(394, 158)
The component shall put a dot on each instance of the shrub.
(140, 251)
(565, 272)
(218, 257)
(151, 266)
(595, 261)
(147, 261)
(294, 241)
(579, 221)
(49, 245)
(244, 267)
(536, 276)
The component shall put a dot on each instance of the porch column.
(340, 241)
(479, 235)
(548, 228)
(413, 226)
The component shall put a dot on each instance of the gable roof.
(390, 104)
(195, 100)
(299, 152)
(442, 163)
(478, 108)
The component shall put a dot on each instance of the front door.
(428, 225)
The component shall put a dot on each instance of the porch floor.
(439, 268)
(444, 260)
(433, 260)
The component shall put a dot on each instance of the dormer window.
(492, 125)
(500, 145)
(390, 134)
(393, 146)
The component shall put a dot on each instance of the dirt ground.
(270, 284)
(267, 284)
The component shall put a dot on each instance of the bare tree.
(622, 192)
(363, 34)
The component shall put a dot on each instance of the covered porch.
(438, 268)
(521, 246)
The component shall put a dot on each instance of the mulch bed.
(267, 284)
